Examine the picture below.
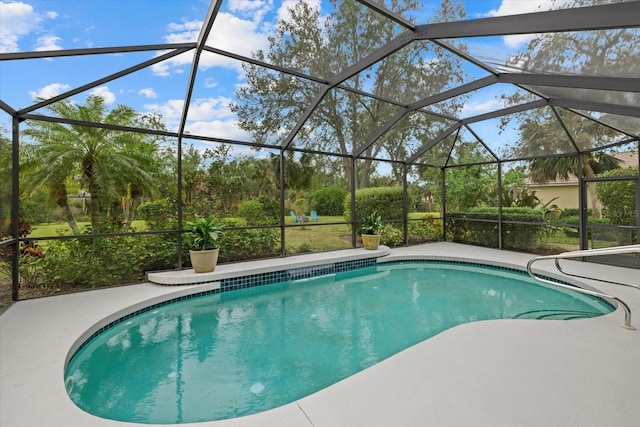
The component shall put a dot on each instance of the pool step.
(555, 314)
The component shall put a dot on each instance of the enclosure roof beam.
(103, 80)
(394, 45)
(452, 93)
(481, 141)
(608, 16)
(477, 84)
(111, 126)
(622, 110)
(254, 61)
(296, 73)
(214, 7)
(380, 9)
(381, 131)
(93, 51)
(7, 108)
(506, 111)
(428, 146)
(619, 84)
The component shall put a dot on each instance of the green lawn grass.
(59, 228)
(312, 237)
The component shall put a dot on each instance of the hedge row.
(479, 226)
(388, 201)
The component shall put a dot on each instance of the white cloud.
(515, 7)
(237, 35)
(283, 11)
(229, 33)
(472, 109)
(210, 83)
(49, 91)
(252, 9)
(148, 92)
(209, 108)
(170, 112)
(17, 20)
(182, 33)
(104, 92)
(207, 116)
(48, 43)
(220, 129)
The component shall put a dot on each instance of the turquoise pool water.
(236, 353)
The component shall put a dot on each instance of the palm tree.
(543, 134)
(551, 168)
(107, 161)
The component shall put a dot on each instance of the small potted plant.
(203, 234)
(369, 229)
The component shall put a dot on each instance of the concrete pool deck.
(491, 373)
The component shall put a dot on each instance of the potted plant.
(369, 229)
(204, 233)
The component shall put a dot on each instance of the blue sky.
(241, 27)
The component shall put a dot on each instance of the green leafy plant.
(391, 236)
(371, 224)
(204, 233)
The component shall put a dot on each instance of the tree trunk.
(62, 201)
(596, 206)
(94, 207)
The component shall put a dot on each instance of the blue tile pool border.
(254, 280)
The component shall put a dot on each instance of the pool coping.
(563, 386)
(235, 270)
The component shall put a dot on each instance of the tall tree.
(105, 161)
(271, 103)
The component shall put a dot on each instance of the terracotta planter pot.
(371, 241)
(204, 261)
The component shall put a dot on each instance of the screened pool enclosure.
(289, 121)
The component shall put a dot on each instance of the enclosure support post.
(283, 251)
(15, 211)
(353, 202)
(583, 212)
(500, 246)
(444, 204)
(405, 195)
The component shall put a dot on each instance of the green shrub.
(391, 235)
(388, 201)
(270, 206)
(479, 226)
(618, 197)
(328, 200)
(158, 215)
(427, 229)
(245, 244)
(576, 220)
(253, 212)
(607, 234)
(95, 262)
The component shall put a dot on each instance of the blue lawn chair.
(295, 217)
(315, 217)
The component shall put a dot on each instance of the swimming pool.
(236, 353)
